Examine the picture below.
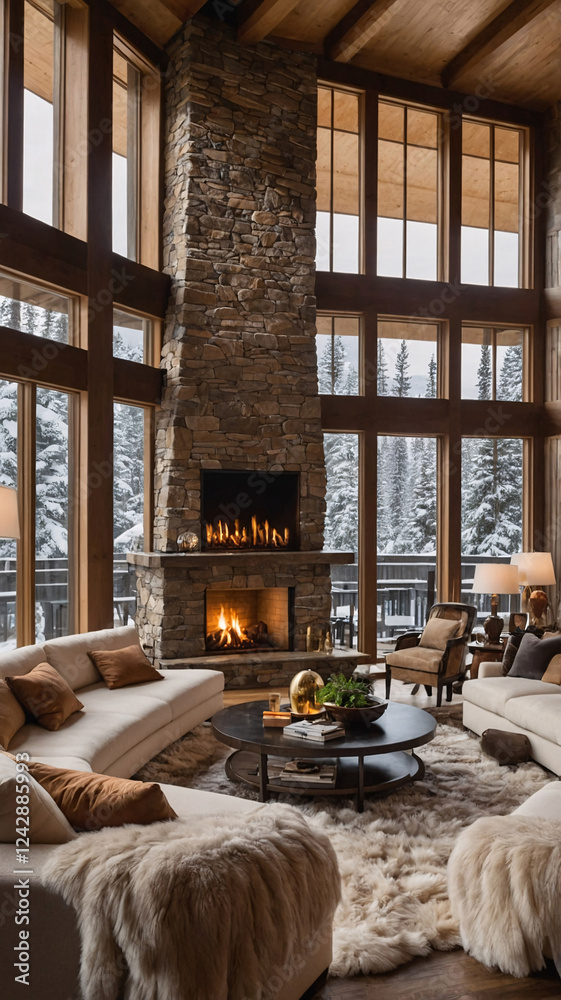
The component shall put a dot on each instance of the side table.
(484, 653)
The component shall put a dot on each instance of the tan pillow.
(553, 671)
(90, 801)
(45, 695)
(12, 715)
(45, 821)
(120, 667)
(437, 631)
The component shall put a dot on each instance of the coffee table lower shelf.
(357, 776)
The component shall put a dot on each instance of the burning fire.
(229, 633)
(260, 536)
(230, 627)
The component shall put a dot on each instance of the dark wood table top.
(401, 727)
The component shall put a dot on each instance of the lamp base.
(493, 626)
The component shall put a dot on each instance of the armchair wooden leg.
(448, 692)
(388, 682)
(428, 689)
(439, 696)
(415, 689)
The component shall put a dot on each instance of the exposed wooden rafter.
(183, 9)
(257, 18)
(501, 29)
(355, 30)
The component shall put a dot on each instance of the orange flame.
(260, 536)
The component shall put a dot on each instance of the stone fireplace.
(239, 448)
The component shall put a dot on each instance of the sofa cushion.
(493, 693)
(121, 667)
(538, 714)
(21, 661)
(69, 654)
(92, 801)
(47, 824)
(553, 672)
(417, 658)
(437, 632)
(533, 656)
(545, 803)
(189, 802)
(185, 689)
(45, 695)
(12, 715)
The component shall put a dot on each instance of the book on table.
(303, 772)
(318, 732)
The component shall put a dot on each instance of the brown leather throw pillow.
(121, 667)
(91, 801)
(12, 715)
(45, 696)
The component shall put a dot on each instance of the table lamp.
(494, 579)
(535, 569)
(9, 519)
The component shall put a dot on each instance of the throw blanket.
(205, 909)
(504, 883)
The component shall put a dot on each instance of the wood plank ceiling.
(512, 48)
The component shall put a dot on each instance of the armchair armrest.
(454, 656)
(407, 640)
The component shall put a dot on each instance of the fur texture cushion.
(45, 695)
(204, 910)
(504, 883)
(120, 667)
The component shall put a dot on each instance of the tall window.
(492, 483)
(8, 477)
(128, 504)
(131, 336)
(338, 348)
(492, 202)
(407, 358)
(492, 362)
(42, 20)
(338, 181)
(54, 514)
(342, 527)
(126, 111)
(406, 532)
(35, 310)
(408, 191)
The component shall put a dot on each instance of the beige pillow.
(437, 631)
(553, 672)
(90, 801)
(12, 715)
(47, 824)
(120, 667)
(45, 695)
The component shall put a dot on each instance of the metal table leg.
(360, 792)
(263, 778)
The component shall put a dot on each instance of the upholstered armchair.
(436, 656)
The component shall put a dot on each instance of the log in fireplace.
(249, 619)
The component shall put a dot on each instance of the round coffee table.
(368, 760)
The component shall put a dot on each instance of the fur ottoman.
(504, 884)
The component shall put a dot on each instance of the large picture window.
(338, 180)
(493, 362)
(407, 358)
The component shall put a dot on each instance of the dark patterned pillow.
(513, 645)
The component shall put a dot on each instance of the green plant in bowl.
(348, 700)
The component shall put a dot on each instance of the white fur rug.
(393, 857)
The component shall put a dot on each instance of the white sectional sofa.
(516, 705)
(118, 731)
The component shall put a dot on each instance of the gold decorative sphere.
(303, 688)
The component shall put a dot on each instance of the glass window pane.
(391, 200)
(510, 359)
(422, 251)
(391, 119)
(128, 505)
(422, 128)
(53, 513)
(390, 248)
(345, 173)
(323, 170)
(345, 111)
(507, 144)
(506, 260)
(345, 243)
(492, 362)
(8, 546)
(126, 86)
(341, 530)
(475, 256)
(407, 358)
(38, 112)
(406, 533)
(476, 139)
(477, 363)
(323, 240)
(324, 106)
(35, 310)
(492, 479)
(338, 349)
(338, 182)
(129, 336)
(422, 184)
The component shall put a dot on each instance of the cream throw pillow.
(437, 631)
(553, 671)
(47, 824)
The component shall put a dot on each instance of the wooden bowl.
(357, 716)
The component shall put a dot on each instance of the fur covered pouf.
(504, 883)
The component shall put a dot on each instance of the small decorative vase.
(188, 541)
(303, 688)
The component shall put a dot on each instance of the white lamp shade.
(495, 578)
(9, 520)
(534, 568)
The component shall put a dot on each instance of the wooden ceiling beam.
(182, 9)
(500, 30)
(355, 30)
(257, 18)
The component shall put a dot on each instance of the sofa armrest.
(407, 640)
(489, 669)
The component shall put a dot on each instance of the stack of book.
(318, 732)
(304, 772)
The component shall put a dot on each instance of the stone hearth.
(239, 346)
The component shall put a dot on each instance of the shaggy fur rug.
(393, 857)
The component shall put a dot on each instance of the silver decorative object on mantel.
(188, 541)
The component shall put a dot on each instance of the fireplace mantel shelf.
(192, 560)
(339, 657)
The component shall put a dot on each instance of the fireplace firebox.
(250, 510)
(249, 620)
